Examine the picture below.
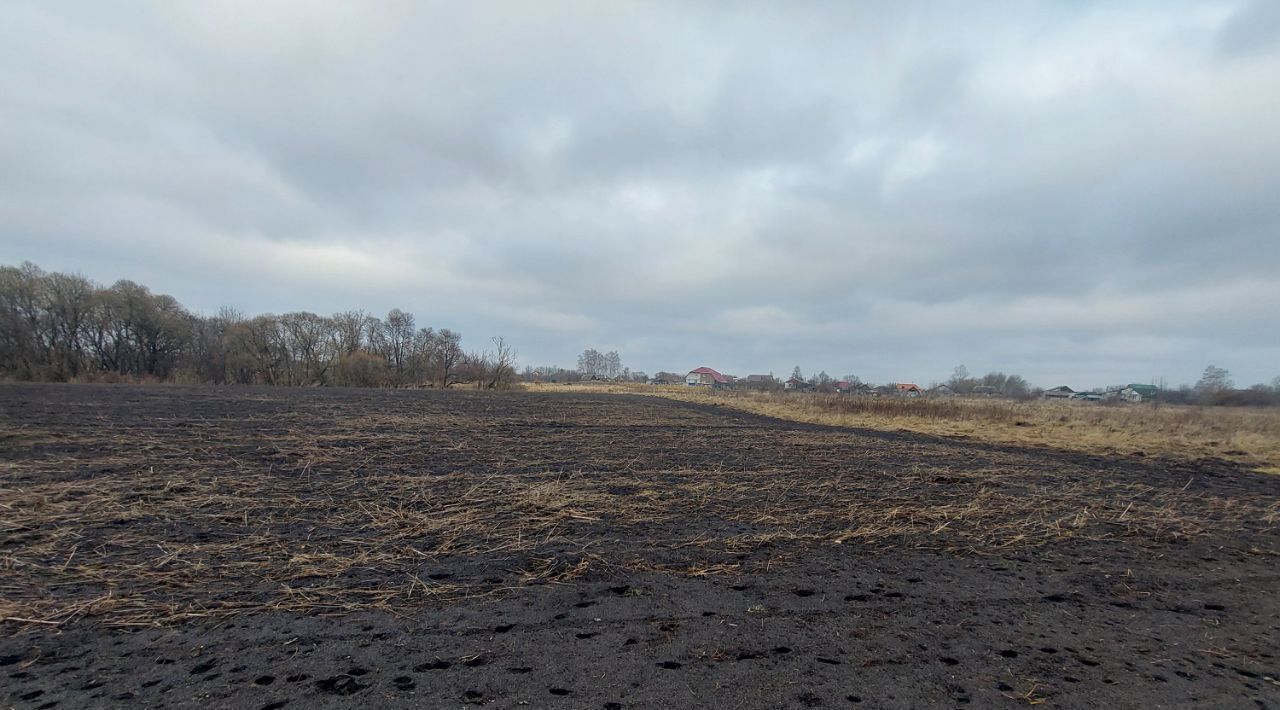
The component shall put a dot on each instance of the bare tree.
(208, 347)
(960, 381)
(310, 345)
(68, 299)
(613, 364)
(256, 352)
(399, 332)
(502, 365)
(824, 382)
(592, 363)
(1214, 380)
(419, 368)
(447, 355)
(349, 330)
(19, 320)
(474, 368)
(374, 337)
(56, 326)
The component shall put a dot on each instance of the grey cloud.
(859, 187)
(1252, 28)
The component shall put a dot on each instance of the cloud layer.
(1081, 193)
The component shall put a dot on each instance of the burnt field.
(290, 548)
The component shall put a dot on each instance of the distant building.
(942, 391)
(986, 391)
(797, 384)
(1139, 393)
(907, 389)
(759, 381)
(706, 377)
(1059, 392)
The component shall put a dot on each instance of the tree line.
(960, 382)
(60, 327)
(592, 365)
(1014, 386)
(1216, 387)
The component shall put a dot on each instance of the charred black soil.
(275, 548)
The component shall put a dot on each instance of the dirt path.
(263, 548)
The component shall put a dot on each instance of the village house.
(706, 377)
(1138, 393)
(798, 385)
(907, 389)
(1059, 392)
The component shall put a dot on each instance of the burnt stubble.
(277, 548)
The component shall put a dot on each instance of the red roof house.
(706, 377)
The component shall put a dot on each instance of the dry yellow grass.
(1250, 436)
(204, 503)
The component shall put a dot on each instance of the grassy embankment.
(1250, 436)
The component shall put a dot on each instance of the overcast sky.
(1082, 193)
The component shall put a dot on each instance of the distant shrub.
(360, 369)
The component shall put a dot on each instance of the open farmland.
(202, 547)
(1249, 436)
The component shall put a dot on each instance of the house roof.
(715, 376)
(1144, 389)
(907, 386)
(1061, 388)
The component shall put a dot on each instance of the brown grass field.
(1248, 435)
(183, 547)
